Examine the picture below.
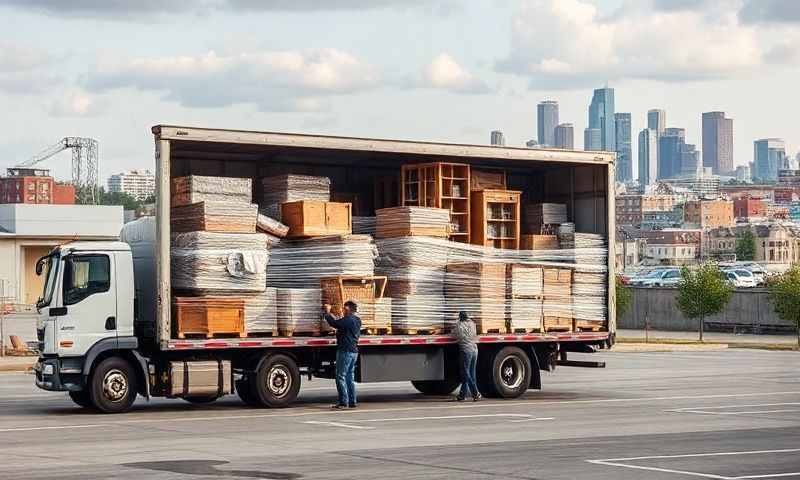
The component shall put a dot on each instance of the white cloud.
(75, 103)
(567, 43)
(23, 69)
(445, 73)
(271, 80)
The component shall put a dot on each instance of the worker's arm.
(333, 321)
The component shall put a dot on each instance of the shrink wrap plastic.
(198, 188)
(299, 311)
(291, 188)
(219, 263)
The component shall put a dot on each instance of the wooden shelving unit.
(440, 185)
(495, 218)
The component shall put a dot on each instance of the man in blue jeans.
(466, 333)
(348, 329)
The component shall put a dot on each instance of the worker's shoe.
(338, 406)
(477, 397)
(352, 406)
(458, 399)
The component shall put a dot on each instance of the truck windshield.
(51, 270)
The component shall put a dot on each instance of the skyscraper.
(498, 139)
(657, 120)
(690, 161)
(601, 117)
(546, 121)
(565, 136)
(670, 144)
(769, 156)
(718, 143)
(591, 139)
(622, 128)
(648, 156)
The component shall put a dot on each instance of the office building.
(591, 139)
(565, 136)
(769, 154)
(718, 143)
(601, 116)
(657, 120)
(498, 139)
(743, 173)
(139, 184)
(622, 128)
(690, 161)
(670, 144)
(648, 156)
(546, 121)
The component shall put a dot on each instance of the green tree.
(703, 292)
(784, 293)
(746, 247)
(624, 298)
(117, 198)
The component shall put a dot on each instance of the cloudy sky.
(450, 70)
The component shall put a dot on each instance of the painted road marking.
(154, 418)
(337, 424)
(617, 462)
(720, 410)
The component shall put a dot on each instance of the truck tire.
(276, 382)
(81, 398)
(245, 392)
(511, 372)
(112, 386)
(436, 387)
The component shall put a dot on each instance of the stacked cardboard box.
(557, 305)
(222, 217)
(478, 288)
(525, 292)
(412, 221)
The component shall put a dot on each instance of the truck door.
(88, 311)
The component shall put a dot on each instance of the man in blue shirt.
(348, 329)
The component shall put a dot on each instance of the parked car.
(741, 278)
(759, 272)
(668, 277)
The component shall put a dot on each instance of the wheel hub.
(115, 385)
(279, 381)
(512, 372)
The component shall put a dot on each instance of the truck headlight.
(48, 369)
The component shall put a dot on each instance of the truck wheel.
(511, 372)
(276, 382)
(81, 398)
(436, 387)
(113, 386)
(245, 392)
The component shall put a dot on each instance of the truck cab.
(85, 312)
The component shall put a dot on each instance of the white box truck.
(104, 325)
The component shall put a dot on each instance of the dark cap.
(462, 316)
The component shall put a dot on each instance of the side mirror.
(40, 266)
(57, 311)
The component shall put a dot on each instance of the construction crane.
(85, 161)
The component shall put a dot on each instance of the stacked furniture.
(496, 218)
(440, 185)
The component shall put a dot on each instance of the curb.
(667, 347)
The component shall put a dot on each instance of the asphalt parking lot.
(728, 414)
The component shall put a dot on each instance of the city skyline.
(420, 62)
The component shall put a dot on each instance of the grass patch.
(733, 344)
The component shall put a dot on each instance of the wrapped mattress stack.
(299, 311)
(291, 188)
(412, 221)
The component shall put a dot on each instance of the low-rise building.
(709, 213)
(34, 186)
(775, 243)
(747, 207)
(28, 232)
(671, 247)
(631, 209)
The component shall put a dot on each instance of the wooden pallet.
(190, 335)
(300, 333)
(263, 333)
(417, 331)
(557, 324)
(525, 330)
(377, 331)
(491, 330)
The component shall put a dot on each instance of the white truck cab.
(86, 309)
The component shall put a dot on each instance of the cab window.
(85, 275)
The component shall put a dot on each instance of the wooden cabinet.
(440, 185)
(495, 218)
(209, 316)
(313, 218)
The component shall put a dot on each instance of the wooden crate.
(314, 218)
(495, 218)
(487, 179)
(209, 316)
(538, 242)
(440, 185)
(220, 217)
(362, 290)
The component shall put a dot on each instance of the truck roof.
(376, 145)
(106, 246)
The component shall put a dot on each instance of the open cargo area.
(257, 230)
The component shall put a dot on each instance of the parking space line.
(337, 424)
(617, 462)
(720, 410)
